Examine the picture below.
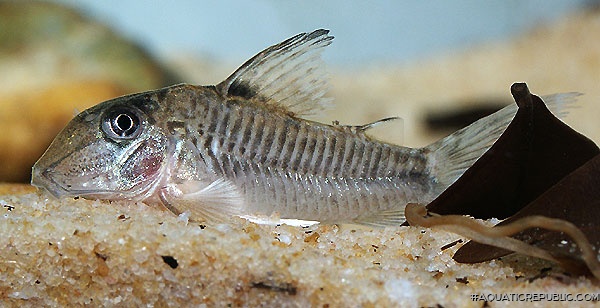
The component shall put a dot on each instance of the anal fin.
(381, 219)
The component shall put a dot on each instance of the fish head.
(113, 150)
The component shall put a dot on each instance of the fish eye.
(122, 123)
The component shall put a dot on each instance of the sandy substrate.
(79, 252)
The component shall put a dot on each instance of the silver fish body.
(296, 168)
(241, 148)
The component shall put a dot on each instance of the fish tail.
(451, 156)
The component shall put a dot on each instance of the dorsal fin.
(289, 75)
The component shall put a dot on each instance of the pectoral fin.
(204, 201)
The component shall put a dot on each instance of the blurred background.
(436, 64)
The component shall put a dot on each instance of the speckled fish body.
(241, 148)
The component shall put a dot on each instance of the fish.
(244, 148)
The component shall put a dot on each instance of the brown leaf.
(534, 153)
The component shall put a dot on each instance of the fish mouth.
(44, 180)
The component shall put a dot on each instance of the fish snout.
(42, 179)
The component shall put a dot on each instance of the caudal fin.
(454, 154)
